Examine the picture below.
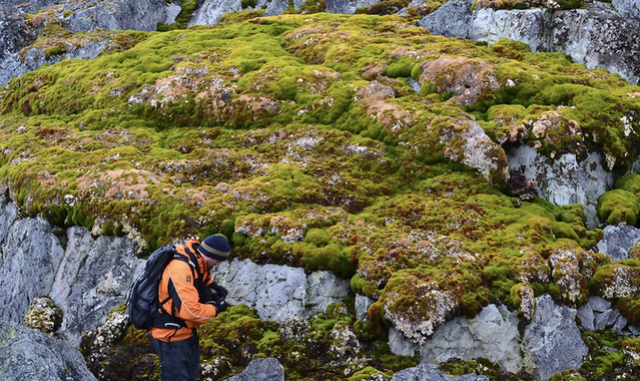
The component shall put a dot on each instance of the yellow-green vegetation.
(300, 139)
(621, 204)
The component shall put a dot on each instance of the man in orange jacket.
(182, 308)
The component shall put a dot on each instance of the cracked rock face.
(280, 292)
(29, 355)
(492, 334)
(565, 180)
(85, 279)
(598, 37)
(551, 342)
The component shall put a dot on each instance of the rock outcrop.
(268, 369)
(17, 33)
(551, 342)
(29, 355)
(280, 292)
(598, 37)
(85, 279)
(141, 15)
(565, 180)
(16, 65)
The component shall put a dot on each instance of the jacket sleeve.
(185, 296)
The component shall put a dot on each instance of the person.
(183, 287)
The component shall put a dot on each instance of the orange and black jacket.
(178, 290)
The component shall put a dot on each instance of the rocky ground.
(446, 181)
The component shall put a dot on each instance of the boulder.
(280, 292)
(29, 355)
(565, 180)
(552, 341)
(475, 149)
(85, 279)
(618, 241)
(268, 369)
(425, 371)
(492, 334)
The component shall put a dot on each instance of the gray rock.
(15, 67)
(629, 8)
(619, 324)
(141, 15)
(585, 314)
(598, 37)
(31, 6)
(399, 345)
(599, 304)
(531, 26)
(276, 7)
(268, 369)
(452, 19)
(211, 11)
(601, 319)
(415, 86)
(29, 355)
(14, 35)
(613, 317)
(425, 371)
(85, 280)
(618, 241)
(348, 7)
(552, 340)
(280, 292)
(362, 305)
(566, 180)
(93, 278)
(32, 255)
(492, 334)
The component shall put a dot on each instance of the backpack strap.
(167, 319)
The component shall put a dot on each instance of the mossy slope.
(301, 139)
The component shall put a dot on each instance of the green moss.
(618, 206)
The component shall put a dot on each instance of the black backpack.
(142, 300)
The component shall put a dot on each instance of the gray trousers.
(179, 359)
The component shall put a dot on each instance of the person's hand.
(219, 303)
(221, 306)
(223, 292)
